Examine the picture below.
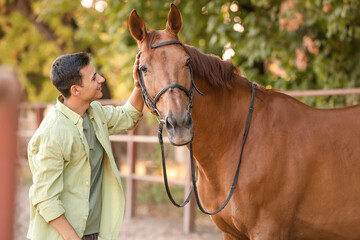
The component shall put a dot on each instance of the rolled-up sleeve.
(47, 165)
(121, 118)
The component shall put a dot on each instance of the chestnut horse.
(300, 173)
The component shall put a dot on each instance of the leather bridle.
(151, 104)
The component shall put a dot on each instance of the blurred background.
(283, 44)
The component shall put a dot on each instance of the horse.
(300, 173)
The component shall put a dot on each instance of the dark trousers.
(93, 236)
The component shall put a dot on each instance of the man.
(76, 191)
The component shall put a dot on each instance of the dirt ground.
(144, 227)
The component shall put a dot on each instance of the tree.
(290, 44)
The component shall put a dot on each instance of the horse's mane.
(217, 72)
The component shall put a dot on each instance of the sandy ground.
(144, 227)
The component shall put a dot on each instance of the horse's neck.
(219, 120)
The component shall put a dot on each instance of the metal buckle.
(158, 117)
(188, 108)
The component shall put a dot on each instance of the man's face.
(91, 84)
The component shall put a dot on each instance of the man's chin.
(99, 95)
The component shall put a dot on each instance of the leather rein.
(151, 104)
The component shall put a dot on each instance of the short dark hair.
(65, 71)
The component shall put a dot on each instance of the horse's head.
(166, 74)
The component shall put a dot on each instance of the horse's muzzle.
(179, 128)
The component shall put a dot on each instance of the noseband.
(151, 104)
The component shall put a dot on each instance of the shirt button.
(87, 183)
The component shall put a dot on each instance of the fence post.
(130, 181)
(9, 100)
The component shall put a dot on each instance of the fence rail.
(132, 139)
(329, 92)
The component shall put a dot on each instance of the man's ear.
(74, 90)
(137, 26)
(174, 21)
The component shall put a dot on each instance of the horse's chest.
(230, 224)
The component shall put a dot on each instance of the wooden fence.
(132, 139)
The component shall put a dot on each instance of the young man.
(76, 192)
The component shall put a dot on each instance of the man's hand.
(135, 97)
(135, 76)
(62, 225)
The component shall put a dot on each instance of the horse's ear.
(174, 21)
(137, 26)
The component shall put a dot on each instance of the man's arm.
(136, 99)
(127, 116)
(62, 225)
(47, 166)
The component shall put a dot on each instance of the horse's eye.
(188, 61)
(143, 69)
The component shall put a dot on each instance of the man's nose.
(101, 79)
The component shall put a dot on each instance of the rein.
(233, 185)
(151, 104)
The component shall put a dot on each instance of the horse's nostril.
(183, 122)
(170, 123)
(188, 120)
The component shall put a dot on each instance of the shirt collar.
(70, 114)
(73, 116)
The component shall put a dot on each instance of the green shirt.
(58, 156)
(96, 154)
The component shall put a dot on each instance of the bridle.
(151, 104)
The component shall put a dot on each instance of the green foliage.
(335, 29)
(270, 50)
